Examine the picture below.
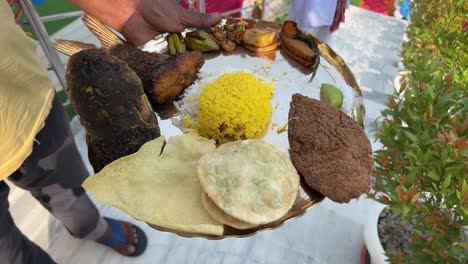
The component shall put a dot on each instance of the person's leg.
(54, 172)
(15, 248)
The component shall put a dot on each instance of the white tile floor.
(328, 233)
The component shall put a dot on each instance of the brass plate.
(292, 77)
(304, 201)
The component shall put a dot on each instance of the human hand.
(153, 17)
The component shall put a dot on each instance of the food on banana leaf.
(109, 99)
(200, 40)
(164, 77)
(331, 95)
(330, 150)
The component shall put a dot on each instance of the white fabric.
(322, 33)
(312, 13)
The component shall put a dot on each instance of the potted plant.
(421, 173)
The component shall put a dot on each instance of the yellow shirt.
(26, 93)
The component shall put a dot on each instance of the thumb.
(199, 20)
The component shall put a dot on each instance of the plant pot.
(371, 236)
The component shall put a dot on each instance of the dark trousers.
(53, 173)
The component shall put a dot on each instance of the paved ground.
(329, 233)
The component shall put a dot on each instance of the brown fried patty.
(329, 150)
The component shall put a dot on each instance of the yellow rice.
(235, 106)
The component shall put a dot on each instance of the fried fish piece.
(164, 77)
(298, 49)
(329, 150)
(109, 99)
(294, 47)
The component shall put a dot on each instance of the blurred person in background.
(385, 7)
(318, 17)
(215, 6)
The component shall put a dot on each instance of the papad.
(160, 189)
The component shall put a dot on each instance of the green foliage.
(282, 15)
(422, 171)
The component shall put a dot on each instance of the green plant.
(421, 171)
(282, 14)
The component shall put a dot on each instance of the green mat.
(51, 7)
